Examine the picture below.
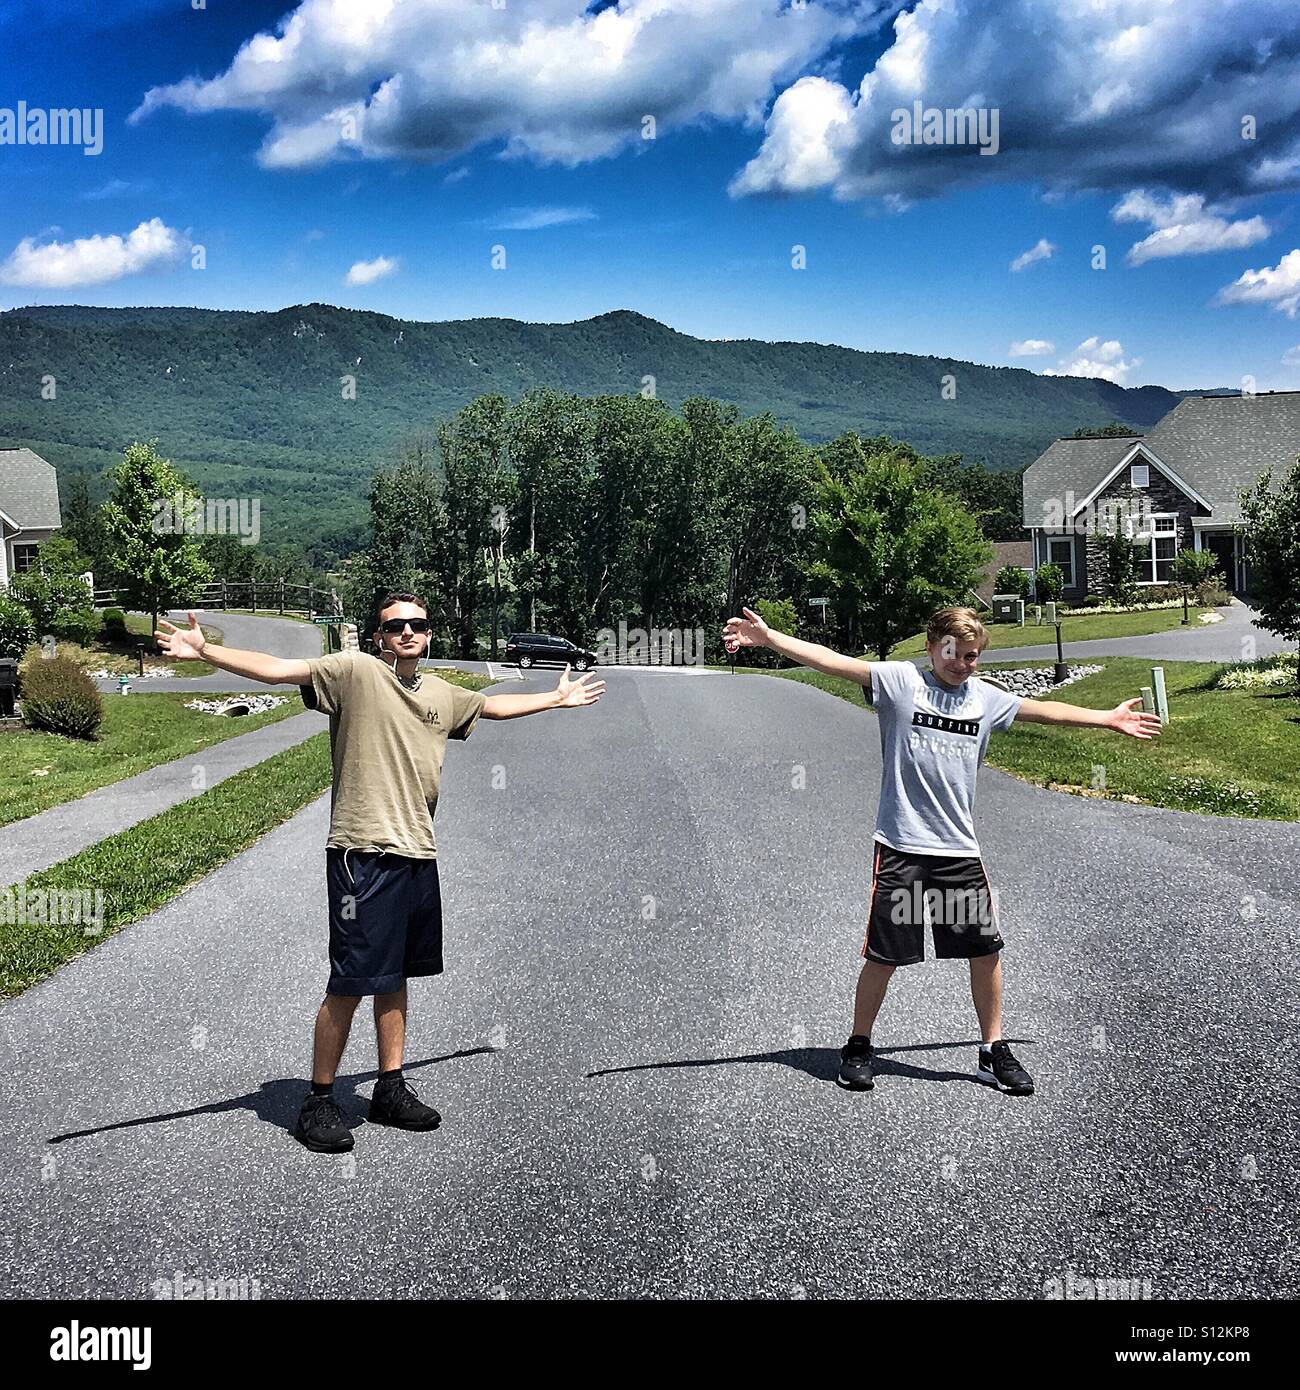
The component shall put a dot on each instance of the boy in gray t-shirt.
(926, 864)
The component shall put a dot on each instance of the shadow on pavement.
(274, 1102)
(823, 1063)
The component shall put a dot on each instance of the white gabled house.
(1184, 476)
(29, 509)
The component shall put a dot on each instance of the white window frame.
(1067, 569)
(1134, 469)
(1145, 543)
(18, 566)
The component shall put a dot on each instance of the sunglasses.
(394, 625)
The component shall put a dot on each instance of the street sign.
(818, 602)
(338, 618)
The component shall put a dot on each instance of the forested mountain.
(256, 403)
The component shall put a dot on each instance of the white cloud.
(1041, 250)
(1031, 347)
(1291, 357)
(92, 260)
(367, 272)
(532, 219)
(429, 80)
(1184, 226)
(1096, 358)
(1279, 287)
(1089, 96)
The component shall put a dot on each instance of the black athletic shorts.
(909, 890)
(385, 920)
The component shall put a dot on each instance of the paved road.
(652, 924)
(275, 636)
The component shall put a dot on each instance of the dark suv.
(539, 649)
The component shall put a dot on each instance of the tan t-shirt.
(388, 744)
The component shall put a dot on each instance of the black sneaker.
(395, 1103)
(999, 1068)
(321, 1126)
(855, 1065)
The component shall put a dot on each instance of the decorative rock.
(237, 705)
(1032, 681)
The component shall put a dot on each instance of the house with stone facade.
(29, 509)
(1179, 485)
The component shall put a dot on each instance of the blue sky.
(470, 119)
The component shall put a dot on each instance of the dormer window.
(1139, 474)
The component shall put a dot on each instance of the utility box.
(1008, 608)
(8, 686)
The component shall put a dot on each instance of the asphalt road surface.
(653, 913)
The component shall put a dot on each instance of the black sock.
(394, 1075)
(322, 1088)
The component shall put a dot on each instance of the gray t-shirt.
(932, 741)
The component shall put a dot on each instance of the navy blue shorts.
(385, 920)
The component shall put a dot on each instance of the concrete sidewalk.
(27, 846)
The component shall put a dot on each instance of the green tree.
(83, 524)
(891, 550)
(1049, 583)
(1118, 568)
(155, 561)
(1271, 520)
(54, 593)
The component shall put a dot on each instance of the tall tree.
(151, 542)
(891, 550)
(1272, 530)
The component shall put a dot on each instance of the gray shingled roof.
(29, 492)
(1222, 443)
(1069, 465)
(1216, 444)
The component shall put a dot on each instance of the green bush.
(17, 630)
(1192, 568)
(1011, 580)
(79, 625)
(58, 697)
(1212, 592)
(1092, 600)
(1049, 581)
(115, 623)
(779, 614)
(56, 600)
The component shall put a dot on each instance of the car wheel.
(580, 664)
(525, 661)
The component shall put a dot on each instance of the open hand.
(575, 693)
(1136, 723)
(749, 631)
(181, 644)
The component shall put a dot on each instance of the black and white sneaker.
(321, 1126)
(395, 1103)
(855, 1065)
(998, 1067)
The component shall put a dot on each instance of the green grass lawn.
(138, 732)
(1075, 627)
(144, 867)
(1224, 752)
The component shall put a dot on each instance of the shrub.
(60, 698)
(1049, 581)
(115, 623)
(1192, 568)
(17, 630)
(1212, 593)
(779, 614)
(1092, 600)
(1118, 569)
(1011, 580)
(79, 625)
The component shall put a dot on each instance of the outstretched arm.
(752, 631)
(1123, 719)
(189, 644)
(567, 695)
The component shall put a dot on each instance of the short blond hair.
(962, 623)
